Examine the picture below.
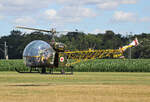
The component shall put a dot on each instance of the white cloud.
(68, 14)
(95, 2)
(129, 1)
(75, 11)
(145, 19)
(17, 2)
(1, 7)
(112, 4)
(80, 2)
(68, 11)
(108, 5)
(1, 17)
(96, 31)
(50, 13)
(28, 7)
(22, 7)
(25, 7)
(26, 3)
(25, 21)
(121, 16)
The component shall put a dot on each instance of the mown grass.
(80, 87)
(97, 65)
(77, 78)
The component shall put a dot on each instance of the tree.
(17, 41)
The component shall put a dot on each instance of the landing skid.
(43, 71)
(37, 71)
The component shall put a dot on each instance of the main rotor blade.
(33, 29)
(48, 31)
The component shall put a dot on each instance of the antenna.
(5, 51)
(129, 53)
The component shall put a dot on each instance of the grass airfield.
(80, 87)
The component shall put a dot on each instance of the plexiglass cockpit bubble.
(38, 53)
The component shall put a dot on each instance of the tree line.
(17, 41)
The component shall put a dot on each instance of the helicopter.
(39, 54)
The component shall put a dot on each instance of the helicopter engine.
(38, 53)
(60, 47)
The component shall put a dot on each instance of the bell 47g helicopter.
(39, 54)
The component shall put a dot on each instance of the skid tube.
(43, 71)
(37, 71)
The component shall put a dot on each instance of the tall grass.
(114, 65)
(10, 65)
(97, 65)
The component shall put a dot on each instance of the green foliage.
(17, 41)
(97, 65)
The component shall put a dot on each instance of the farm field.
(97, 65)
(80, 87)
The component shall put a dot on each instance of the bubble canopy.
(37, 50)
(34, 48)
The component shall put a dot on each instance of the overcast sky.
(94, 16)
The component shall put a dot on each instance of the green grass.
(77, 78)
(80, 87)
(10, 65)
(97, 65)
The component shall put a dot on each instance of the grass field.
(80, 87)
